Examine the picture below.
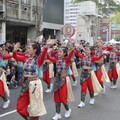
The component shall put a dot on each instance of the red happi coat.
(24, 99)
(112, 71)
(85, 78)
(61, 94)
(2, 90)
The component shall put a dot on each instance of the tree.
(115, 18)
(117, 38)
(39, 15)
(78, 1)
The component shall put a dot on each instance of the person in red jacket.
(47, 73)
(97, 52)
(73, 66)
(4, 91)
(85, 79)
(30, 104)
(112, 71)
(60, 86)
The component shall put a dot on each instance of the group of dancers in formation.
(38, 65)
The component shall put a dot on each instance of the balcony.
(23, 12)
(12, 10)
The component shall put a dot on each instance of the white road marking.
(13, 111)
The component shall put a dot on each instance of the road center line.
(7, 113)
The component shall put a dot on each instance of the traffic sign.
(68, 30)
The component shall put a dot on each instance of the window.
(12, 5)
(25, 1)
(104, 20)
(12, 0)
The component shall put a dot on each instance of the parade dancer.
(4, 91)
(98, 64)
(85, 79)
(74, 69)
(46, 74)
(62, 87)
(113, 61)
(48, 70)
(30, 104)
(73, 66)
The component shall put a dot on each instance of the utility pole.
(110, 28)
(107, 34)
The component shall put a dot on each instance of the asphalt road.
(106, 107)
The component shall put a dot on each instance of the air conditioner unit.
(1, 8)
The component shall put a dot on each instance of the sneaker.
(75, 83)
(57, 117)
(92, 101)
(95, 94)
(8, 83)
(114, 86)
(103, 90)
(48, 91)
(15, 84)
(68, 113)
(111, 84)
(82, 104)
(6, 104)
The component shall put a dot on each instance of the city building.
(18, 18)
(84, 17)
(53, 19)
(108, 30)
(70, 14)
(88, 22)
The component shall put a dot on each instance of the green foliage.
(78, 1)
(117, 38)
(115, 18)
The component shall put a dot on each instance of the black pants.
(58, 107)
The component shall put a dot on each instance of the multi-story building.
(70, 12)
(104, 28)
(84, 17)
(108, 30)
(18, 18)
(88, 22)
(53, 18)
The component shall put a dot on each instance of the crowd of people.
(28, 66)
